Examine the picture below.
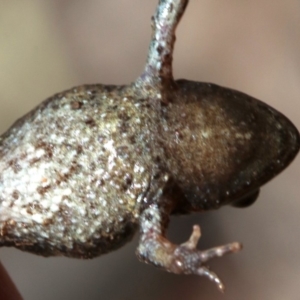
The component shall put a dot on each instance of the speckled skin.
(79, 165)
(81, 172)
(224, 144)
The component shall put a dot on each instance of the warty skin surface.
(81, 172)
(75, 170)
(223, 144)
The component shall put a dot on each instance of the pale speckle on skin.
(205, 134)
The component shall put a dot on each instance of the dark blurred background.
(253, 46)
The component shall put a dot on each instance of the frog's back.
(74, 166)
(226, 143)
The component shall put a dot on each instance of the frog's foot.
(154, 248)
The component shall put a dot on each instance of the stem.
(158, 68)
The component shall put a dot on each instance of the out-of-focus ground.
(253, 46)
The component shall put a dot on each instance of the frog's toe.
(189, 260)
(204, 271)
(156, 249)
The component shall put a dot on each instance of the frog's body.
(223, 144)
(86, 168)
(79, 165)
(77, 172)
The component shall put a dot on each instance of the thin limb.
(164, 22)
(156, 249)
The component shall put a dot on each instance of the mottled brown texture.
(89, 177)
(222, 143)
(81, 172)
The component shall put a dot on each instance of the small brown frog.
(82, 171)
